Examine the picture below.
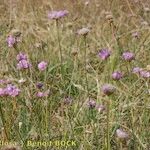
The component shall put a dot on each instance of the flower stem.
(85, 65)
(108, 136)
(60, 49)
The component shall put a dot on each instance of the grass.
(74, 74)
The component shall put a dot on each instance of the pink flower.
(42, 65)
(121, 134)
(117, 75)
(43, 94)
(128, 56)
(145, 74)
(21, 56)
(57, 14)
(23, 64)
(104, 54)
(40, 94)
(12, 90)
(11, 41)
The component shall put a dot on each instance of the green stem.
(108, 136)
(85, 65)
(60, 49)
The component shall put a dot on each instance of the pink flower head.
(145, 74)
(128, 56)
(43, 94)
(104, 54)
(21, 56)
(12, 90)
(23, 64)
(91, 103)
(117, 75)
(40, 94)
(57, 14)
(42, 65)
(108, 89)
(11, 41)
(121, 134)
(137, 70)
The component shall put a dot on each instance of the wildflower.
(12, 90)
(117, 75)
(21, 56)
(39, 85)
(108, 89)
(83, 31)
(23, 64)
(11, 40)
(42, 65)
(40, 94)
(145, 74)
(91, 103)
(3, 81)
(128, 56)
(57, 14)
(137, 70)
(104, 54)
(43, 94)
(121, 134)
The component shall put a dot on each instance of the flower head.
(117, 75)
(11, 40)
(145, 74)
(39, 85)
(23, 64)
(21, 56)
(83, 31)
(137, 70)
(108, 89)
(43, 94)
(91, 103)
(104, 54)
(121, 134)
(12, 90)
(42, 65)
(57, 14)
(128, 56)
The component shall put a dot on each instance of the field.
(74, 75)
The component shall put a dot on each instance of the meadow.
(74, 75)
